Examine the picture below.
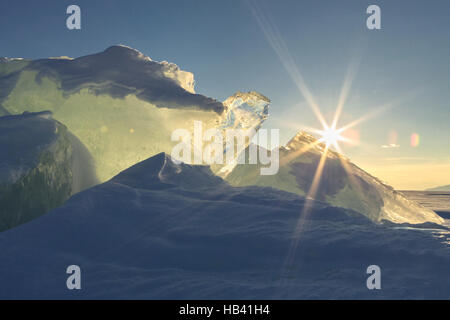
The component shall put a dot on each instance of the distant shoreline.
(441, 188)
(438, 201)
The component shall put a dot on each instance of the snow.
(190, 236)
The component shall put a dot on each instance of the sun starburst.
(330, 135)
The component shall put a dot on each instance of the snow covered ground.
(160, 230)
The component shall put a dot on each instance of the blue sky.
(222, 44)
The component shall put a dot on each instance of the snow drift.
(161, 230)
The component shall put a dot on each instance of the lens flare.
(415, 140)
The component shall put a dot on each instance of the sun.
(330, 136)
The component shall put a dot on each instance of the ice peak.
(6, 59)
(303, 140)
(246, 110)
(303, 136)
(250, 96)
(123, 52)
(162, 171)
(300, 140)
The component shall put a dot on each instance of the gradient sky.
(406, 62)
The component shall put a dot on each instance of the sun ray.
(300, 151)
(352, 178)
(364, 118)
(348, 81)
(330, 135)
(309, 201)
(377, 110)
(277, 43)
